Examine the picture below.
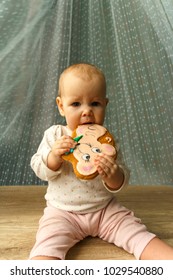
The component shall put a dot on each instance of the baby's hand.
(63, 145)
(110, 172)
(60, 147)
(106, 166)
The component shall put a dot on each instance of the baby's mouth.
(88, 123)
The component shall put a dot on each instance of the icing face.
(95, 139)
(89, 146)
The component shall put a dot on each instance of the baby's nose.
(87, 111)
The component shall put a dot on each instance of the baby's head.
(82, 95)
(84, 71)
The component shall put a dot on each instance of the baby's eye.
(86, 157)
(75, 104)
(95, 103)
(96, 150)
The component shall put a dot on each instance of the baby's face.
(82, 102)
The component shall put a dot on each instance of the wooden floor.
(22, 206)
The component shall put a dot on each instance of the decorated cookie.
(91, 139)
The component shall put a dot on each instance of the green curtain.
(131, 41)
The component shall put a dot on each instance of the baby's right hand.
(60, 147)
(63, 145)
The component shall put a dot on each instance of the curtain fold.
(131, 41)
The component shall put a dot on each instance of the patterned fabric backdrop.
(131, 41)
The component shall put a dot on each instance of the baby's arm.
(47, 160)
(60, 147)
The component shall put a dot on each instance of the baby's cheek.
(108, 149)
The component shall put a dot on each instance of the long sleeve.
(39, 159)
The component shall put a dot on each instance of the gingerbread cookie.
(93, 139)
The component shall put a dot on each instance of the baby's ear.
(60, 106)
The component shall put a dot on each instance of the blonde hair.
(84, 71)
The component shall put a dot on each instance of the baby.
(78, 208)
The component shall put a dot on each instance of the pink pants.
(60, 230)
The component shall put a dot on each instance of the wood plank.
(22, 206)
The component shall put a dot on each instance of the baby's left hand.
(110, 172)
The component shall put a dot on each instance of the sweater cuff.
(125, 182)
(49, 174)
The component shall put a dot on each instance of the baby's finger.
(102, 171)
(105, 165)
(61, 147)
(108, 158)
(105, 160)
(65, 143)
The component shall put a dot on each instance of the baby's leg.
(44, 258)
(157, 249)
(58, 232)
(119, 226)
